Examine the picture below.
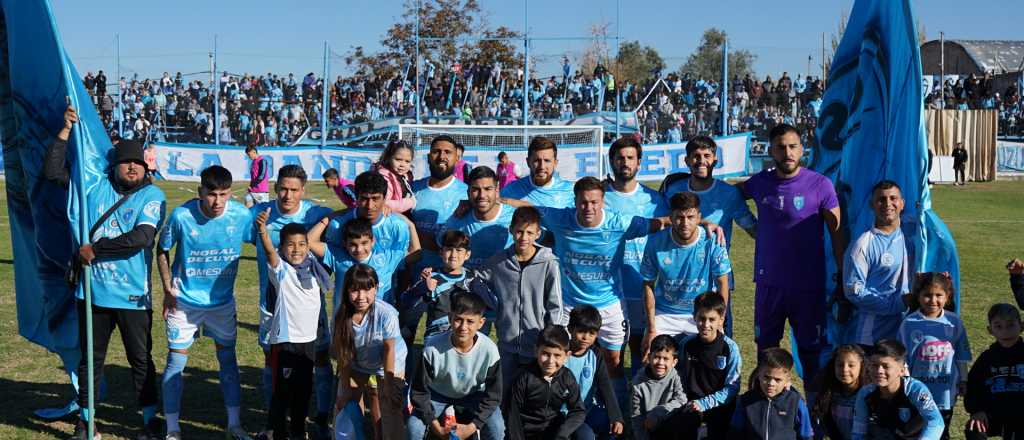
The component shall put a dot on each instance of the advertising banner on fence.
(1010, 158)
(183, 162)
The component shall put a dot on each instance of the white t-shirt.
(297, 310)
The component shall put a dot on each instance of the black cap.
(129, 151)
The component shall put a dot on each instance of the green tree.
(449, 20)
(706, 61)
(637, 64)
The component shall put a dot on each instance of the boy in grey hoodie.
(658, 395)
(525, 281)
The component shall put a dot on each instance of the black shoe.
(82, 433)
(152, 431)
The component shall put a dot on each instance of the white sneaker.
(173, 435)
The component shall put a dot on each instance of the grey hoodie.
(528, 298)
(655, 399)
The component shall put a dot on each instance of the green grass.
(985, 219)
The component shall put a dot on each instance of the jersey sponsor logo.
(935, 350)
(798, 202)
(927, 403)
(152, 209)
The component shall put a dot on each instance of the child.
(538, 395)
(841, 379)
(359, 247)
(296, 283)
(459, 368)
(658, 396)
(589, 369)
(995, 385)
(526, 282)
(771, 405)
(894, 405)
(936, 342)
(435, 290)
(395, 165)
(710, 367)
(341, 186)
(370, 352)
(506, 169)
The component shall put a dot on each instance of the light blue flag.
(872, 127)
(46, 225)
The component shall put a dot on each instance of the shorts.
(805, 309)
(674, 324)
(612, 335)
(218, 322)
(255, 198)
(323, 331)
(636, 314)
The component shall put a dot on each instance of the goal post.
(580, 147)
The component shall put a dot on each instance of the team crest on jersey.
(606, 236)
(888, 259)
(230, 230)
(194, 233)
(904, 414)
(585, 373)
(720, 362)
(667, 260)
(798, 202)
(127, 214)
(461, 375)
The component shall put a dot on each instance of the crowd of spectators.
(275, 109)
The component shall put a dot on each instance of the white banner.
(184, 162)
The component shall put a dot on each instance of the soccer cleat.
(236, 433)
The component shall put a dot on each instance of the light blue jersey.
(584, 368)
(913, 404)
(590, 256)
(486, 238)
(875, 277)
(721, 204)
(383, 260)
(937, 353)
(124, 282)
(389, 231)
(308, 214)
(206, 258)
(556, 194)
(433, 208)
(644, 202)
(379, 325)
(682, 272)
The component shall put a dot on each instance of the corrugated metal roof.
(995, 55)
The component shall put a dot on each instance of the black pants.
(718, 420)
(136, 334)
(293, 387)
(997, 428)
(947, 417)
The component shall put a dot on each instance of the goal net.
(484, 142)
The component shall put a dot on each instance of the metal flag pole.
(216, 96)
(416, 96)
(526, 70)
(942, 69)
(724, 107)
(120, 93)
(618, 81)
(325, 108)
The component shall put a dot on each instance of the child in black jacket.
(772, 409)
(995, 384)
(535, 402)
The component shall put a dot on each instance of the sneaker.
(152, 430)
(236, 433)
(173, 435)
(82, 433)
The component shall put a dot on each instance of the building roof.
(995, 55)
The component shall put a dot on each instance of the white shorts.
(323, 331)
(674, 324)
(636, 314)
(219, 323)
(254, 198)
(612, 335)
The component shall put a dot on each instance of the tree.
(597, 52)
(706, 61)
(637, 64)
(448, 20)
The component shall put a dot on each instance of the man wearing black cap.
(121, 257)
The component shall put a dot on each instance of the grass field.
(986, 220)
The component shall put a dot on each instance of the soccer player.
(437, 196)
(488, 222)
(290, 207)
(721, 203)
(877, 272)
(678, 265)
(624, 195)
(542, 187)
(199, 290)
(794, 205)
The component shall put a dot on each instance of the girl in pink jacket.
(395, 165)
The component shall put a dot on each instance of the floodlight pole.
(942, 69)
(724, 108)
(326, 100)
(618, 81)
(416, 95)
(120, 93)
(216, 96)
(526, 70)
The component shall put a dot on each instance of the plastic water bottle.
(449, 422)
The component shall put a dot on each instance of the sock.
(230, 384)
(234, 417)
(148, 412)
(172, 385)
(267, 385)
(622, 394)
(324, 381)
(636, 361)
(172, 422)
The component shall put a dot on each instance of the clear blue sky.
(287, 36)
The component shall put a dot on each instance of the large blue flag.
(872, 127)
(37, 82)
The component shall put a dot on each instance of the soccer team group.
(568, 276)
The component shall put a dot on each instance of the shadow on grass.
(202, 415)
